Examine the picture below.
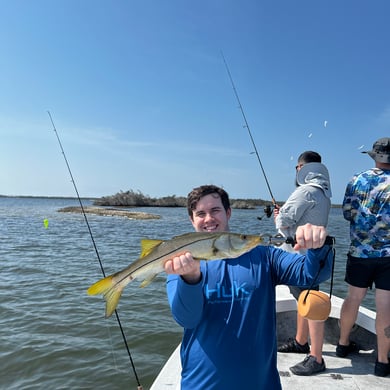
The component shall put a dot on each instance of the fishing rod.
(267, 209)
(139, 386)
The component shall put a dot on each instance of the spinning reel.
(268, 210)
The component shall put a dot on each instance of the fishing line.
(96, 250)
(250, 133)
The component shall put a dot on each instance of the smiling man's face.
(210, 215)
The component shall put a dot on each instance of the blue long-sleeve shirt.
(229, 317)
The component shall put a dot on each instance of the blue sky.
(141, 98)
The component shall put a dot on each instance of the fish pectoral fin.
(147, 245)
(147, 281)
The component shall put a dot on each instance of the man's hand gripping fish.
(155, 253)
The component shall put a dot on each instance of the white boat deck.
(354, 372)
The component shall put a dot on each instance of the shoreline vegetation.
(132, 198)
(113, 205)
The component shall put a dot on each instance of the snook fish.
(155, 253)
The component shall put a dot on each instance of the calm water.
(54, 336)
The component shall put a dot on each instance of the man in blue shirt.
(227, 308)
(366, 206)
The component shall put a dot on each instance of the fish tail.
(101, 286)
(111, 292)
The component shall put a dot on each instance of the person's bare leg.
(382, 325)
(302, 334)
(349, 311)
(316, 331)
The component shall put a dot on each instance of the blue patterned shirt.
(367, 206)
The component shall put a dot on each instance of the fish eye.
(243, 236)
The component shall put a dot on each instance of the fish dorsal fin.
(147, 245)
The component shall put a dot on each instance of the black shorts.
(295, 290)
(363, 272)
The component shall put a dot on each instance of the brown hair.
(209, 189)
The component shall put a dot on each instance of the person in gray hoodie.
(309, 203)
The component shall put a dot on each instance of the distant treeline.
(138, 199)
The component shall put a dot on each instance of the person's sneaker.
(345, 350)
(382, 369)
(292, 345)
(308, 366)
